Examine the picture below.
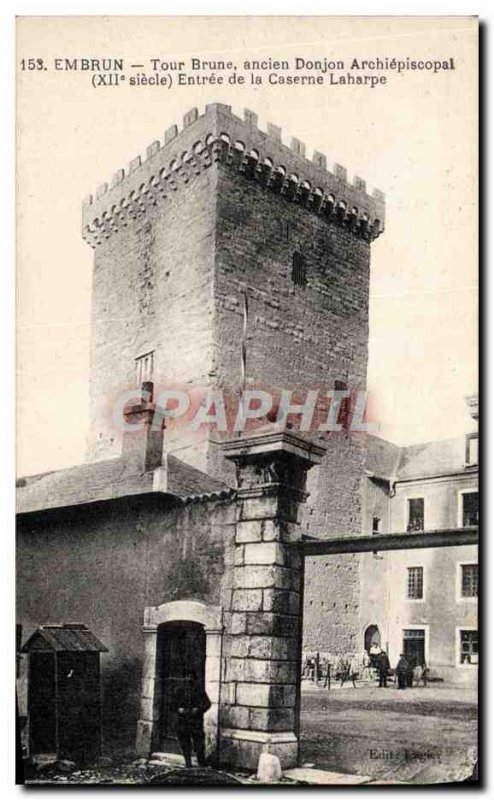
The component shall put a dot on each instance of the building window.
(472, 450)
(299, 270)
(469, 508)
(415, 514)
(415, 583)
(144, 368)
(469, 580)
(469, 647)
(414, 646)
(376, 524)
(284, 230)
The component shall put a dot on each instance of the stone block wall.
(332, 604)
(218, 211)
(263, 625)
(299, 338)
(334, 507)
(180, 235)
(262, 639)
(152, 292)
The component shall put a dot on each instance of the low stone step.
(322, 776)
(169, 759)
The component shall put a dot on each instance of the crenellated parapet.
(218, 136)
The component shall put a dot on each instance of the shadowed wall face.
(104, 567)
(152, 293)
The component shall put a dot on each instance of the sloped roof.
(425, 460)
(70, 637)
(187, 482)
(112, 479)
(85, 483)
(382, 457)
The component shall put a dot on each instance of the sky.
(414, 138)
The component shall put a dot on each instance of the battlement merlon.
(181, 151)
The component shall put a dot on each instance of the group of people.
(350, 667)
(405, 671)
(320, 666)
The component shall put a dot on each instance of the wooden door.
(79, 706)
(183, 648)
(42, 704)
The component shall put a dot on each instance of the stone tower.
(215, 211)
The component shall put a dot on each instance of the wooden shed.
(64, 696)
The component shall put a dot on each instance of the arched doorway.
(173, 632)
(372, 636)
(181, 647)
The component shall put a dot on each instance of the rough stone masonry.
(215, 210)
(263, 643)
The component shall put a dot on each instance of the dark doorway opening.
(79, 717)
(42, 703)
(181, 647)
(372, 636)
(414, 646)
(64, 705)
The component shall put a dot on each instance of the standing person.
(340, 667)
(327, 679)
(344, 670)
(366, 665)
(346, 673)
(383, 667)
(309, 667)
(420, 673)
(355, 668)
(403, 670)
(190, 703)
(374, 653)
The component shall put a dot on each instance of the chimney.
(473, 406)
(472, 438)
(142, 447)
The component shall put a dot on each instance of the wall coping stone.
(249, 447)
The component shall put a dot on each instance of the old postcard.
(247, 400)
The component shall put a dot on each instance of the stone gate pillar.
(261, 681)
